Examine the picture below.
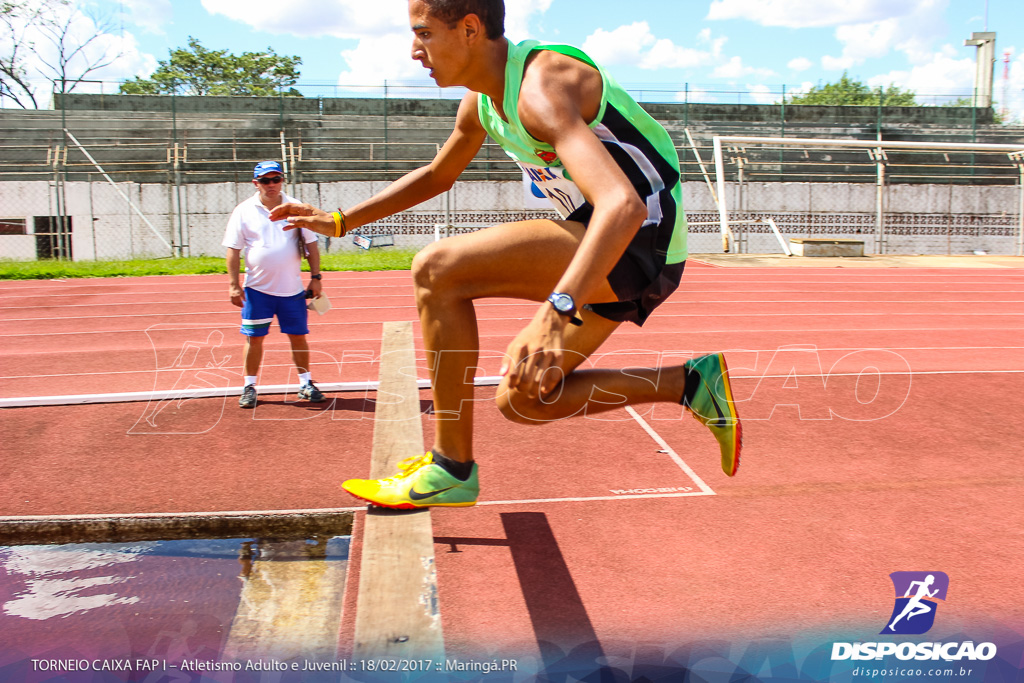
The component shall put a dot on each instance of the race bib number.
(550, 183)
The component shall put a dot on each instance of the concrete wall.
(354, 106)
(20, 247)
(934, 219)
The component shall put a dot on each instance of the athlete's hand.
(535, 351)
(304, 216)
(292, 209)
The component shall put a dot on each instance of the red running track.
(882, 433)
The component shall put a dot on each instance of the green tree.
(199, 71)
(853, 92)
(997, 115)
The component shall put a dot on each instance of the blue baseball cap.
(265, 167)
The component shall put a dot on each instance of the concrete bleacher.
(215, 139)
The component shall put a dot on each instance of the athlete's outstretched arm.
(411, 189)
(558, 98)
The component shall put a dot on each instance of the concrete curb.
(52, 530)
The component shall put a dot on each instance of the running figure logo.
(916, 594)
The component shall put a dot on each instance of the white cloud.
(943, 74)
(716, 44)
(862, 41)
(339, 18)
(149, 15)
(623, 45)
(696, 95)
(800, 64)
(665, 54)
(761, 94)
(384, 46)
(519, 14)
(811, 13)
(912, 32)
(376, 59)
(354, 19)
(1013, 97)
(836, 63)
(734, 68)
(802, 89)
(635, 45)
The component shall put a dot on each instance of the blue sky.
(720, 50)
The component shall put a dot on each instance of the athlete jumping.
(612, 173)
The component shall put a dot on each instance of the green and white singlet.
(640, 146)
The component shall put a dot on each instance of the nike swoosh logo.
(714, 402)
(416, 495)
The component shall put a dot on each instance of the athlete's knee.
(517, 407)
(431, 267)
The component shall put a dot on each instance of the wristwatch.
(318, 276)
(564, 305)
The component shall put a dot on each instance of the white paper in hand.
(320, 304)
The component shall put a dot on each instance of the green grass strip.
(52, 269)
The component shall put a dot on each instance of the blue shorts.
(259, 310)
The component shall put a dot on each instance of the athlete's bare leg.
(516, 260)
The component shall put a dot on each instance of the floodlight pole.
(984, 66)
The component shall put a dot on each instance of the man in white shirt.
(273, 278)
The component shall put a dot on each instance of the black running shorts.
(641, 279)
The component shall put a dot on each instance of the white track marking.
(646, 333)
(702, 316)
(586, 499)
(671, 452)
(492, 305)
(343, 387)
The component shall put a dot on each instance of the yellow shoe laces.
(410, 465)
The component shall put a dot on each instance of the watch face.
(563, 303)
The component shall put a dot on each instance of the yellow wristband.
(336, 215)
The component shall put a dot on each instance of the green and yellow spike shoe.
(708, 395)
(419, 484)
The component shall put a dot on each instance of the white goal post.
(1014, 152)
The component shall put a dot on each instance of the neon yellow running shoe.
(419, 484)
(708, 395)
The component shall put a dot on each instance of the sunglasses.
(270, 181)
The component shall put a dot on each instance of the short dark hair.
(491, 13)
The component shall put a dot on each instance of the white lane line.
(684, 289)
(671, 452)
(702, 316)
(368, 385)
(360, 360)
(403, 278)
(233, 314)
(524, 303)
(823, 330)
(585, 499)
